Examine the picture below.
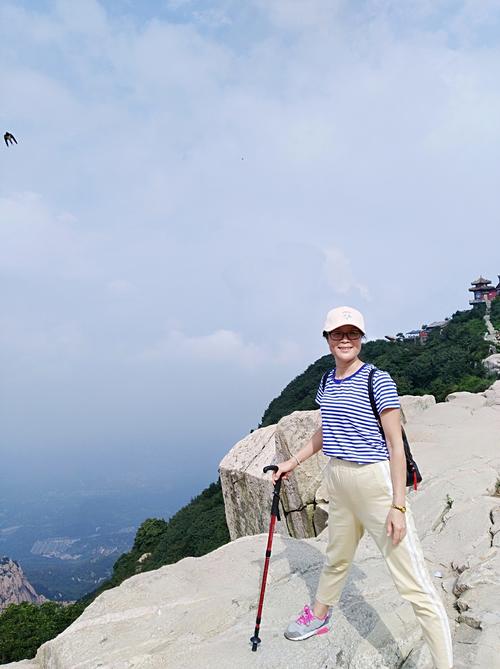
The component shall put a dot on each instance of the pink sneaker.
(307, 625)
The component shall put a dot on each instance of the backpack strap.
(413, 475)
(324, 379)
(371, 395)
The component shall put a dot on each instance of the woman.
(366, 479)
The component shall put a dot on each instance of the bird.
(9, 138)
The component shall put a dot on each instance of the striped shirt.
(350, 430)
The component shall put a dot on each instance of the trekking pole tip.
(255, 642)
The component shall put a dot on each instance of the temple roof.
(480, 280)
(483, 289)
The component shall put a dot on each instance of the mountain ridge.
(14, 586)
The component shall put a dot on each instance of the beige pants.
(360, 497)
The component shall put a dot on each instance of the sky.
(196, 183)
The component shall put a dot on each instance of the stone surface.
(245, 488)
(493, 395)
(14, 587)
(299, 492)
(492, 363)
(413, 406)
(201, 612)
(244, 485)
(467, 400)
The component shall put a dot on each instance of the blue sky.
(196, 184)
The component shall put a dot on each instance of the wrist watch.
(399, 508)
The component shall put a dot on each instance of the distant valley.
(67, 543)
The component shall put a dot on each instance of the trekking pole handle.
(276, 493)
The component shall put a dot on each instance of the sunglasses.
(352, 335)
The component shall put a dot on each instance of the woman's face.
(344, 349)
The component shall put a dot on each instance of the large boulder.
(303, 499)
(413, 405)
(245, 488)
(467, 400)
(492, 363)
(493, 395)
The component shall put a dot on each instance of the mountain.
(14, 587)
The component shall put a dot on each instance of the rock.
(412, 406)
(478, 592)
(446, 413)
(247, 491)
(492, 363)
(14, 587)
(299, 493)
(201, 612)
(467, 400)
(495, 526)
(492, 395)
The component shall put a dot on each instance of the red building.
(483, 290)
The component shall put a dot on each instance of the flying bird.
(9, 138)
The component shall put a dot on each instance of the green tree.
(25, 627)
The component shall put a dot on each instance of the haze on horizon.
(196, 184)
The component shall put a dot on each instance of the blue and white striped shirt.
(350, 430)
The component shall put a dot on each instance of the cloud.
(120, 288)
(212, 18)
(340, 275)
(298, 15)
(220, 347)
(36, 239)
(23, 342)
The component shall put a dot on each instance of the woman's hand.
(284, 470)
(396, 526)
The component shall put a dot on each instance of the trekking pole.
(275, 514)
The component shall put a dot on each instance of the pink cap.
(340, 316)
